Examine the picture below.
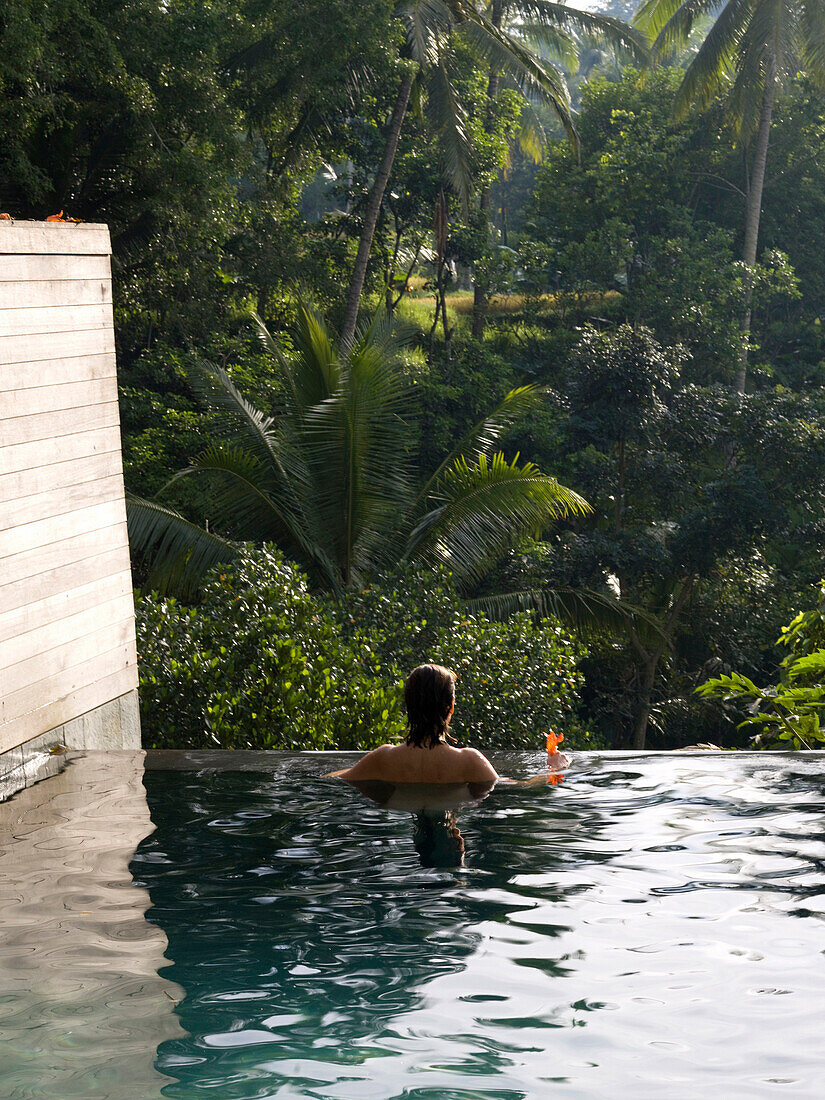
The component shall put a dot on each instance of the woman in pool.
(425, 756)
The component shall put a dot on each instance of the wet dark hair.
(429, 694)
(438, 841)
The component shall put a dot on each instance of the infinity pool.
(651, 927)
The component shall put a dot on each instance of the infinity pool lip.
(502, 760)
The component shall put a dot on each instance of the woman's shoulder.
(476, 767)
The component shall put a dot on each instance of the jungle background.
(589, 247)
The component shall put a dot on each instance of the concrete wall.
(67, 636)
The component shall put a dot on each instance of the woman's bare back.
(413, 764)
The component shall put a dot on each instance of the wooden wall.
(67, 637)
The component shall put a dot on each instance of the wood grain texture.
(47, 239)
(77, 559)
(42, 533)
(77, 548)
(46, 452)
(60, 502)
(58, 475)
(66, 654)
(42, 374)
(37, 319)
(22, 268)
(54, 293)
(57, 685)
(67, 591)
(48, 400)
(55, 345)
(58, 424)
(67, 640)
(53, 712)
(44, 638)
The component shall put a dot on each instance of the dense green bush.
(263, 663)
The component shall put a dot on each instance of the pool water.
(651, 927)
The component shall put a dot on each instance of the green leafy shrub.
(263, 663)
(786, 715)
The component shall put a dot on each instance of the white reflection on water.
(82, 1006)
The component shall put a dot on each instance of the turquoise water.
(652, 927)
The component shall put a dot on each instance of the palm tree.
(330, 478)
(752, 46)
(429, 27)
(555, 30)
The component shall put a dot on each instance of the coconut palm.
(554, 31)
(330, 478)
(430, 27)
(751, 48)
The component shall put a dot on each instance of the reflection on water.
(652, 927)
(81, 1002)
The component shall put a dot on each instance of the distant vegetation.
(622, 227)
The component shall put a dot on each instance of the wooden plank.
(64, 592)
(90, 620)
(57, 372)
(55, 425)
(56, 345)
(60, 475)
(64, 239)
(75, 572)
(56, 293)
(65, 655)
(55, 712)
(45, 452)
(23, 268)
(45, 558)
(66, 681)
(43, 532)
(51, 399)
(59, 502)
(39, 319)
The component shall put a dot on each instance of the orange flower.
(553, 741)
(555, 778)
(63, 218)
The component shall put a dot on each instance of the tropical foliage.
(260, 157)
(749, 51)
(787, 714)
(328, 478)
(261, 662)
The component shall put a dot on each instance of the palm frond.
(596, 25)
(314, 372)
(485, 508)
(532, 137)
(179, 552)
(244, 497)
(555, 42)
(427, 24)
(487, 432)
(449, 120)
(589, 613)
(538, 81)
(812, 38)
(358, 451)
(238, 419)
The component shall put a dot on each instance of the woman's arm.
(556, 762)
(370, 766)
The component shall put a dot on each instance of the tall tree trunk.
(645, 693)
(479, 294)
(753, 212)
(359, 271)
(650, 660)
